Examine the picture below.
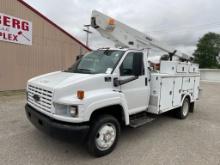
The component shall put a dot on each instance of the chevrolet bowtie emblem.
(36, 97)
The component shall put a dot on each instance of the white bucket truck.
(113, 87)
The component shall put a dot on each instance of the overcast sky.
(179, 23)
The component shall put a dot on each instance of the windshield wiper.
(85, 70)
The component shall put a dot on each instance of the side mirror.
(138, 65)
(116, 82)
(79, 57)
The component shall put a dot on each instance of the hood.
(65, 83)
(58, 79)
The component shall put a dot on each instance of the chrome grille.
(45, 98)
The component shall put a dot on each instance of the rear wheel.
(103, 135)
(191, 109)
(183, 111)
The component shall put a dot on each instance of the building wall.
(51, 49)
(210, 75)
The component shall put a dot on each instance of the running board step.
(140, 119)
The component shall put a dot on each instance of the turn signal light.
(80, 94)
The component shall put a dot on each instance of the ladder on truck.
(128, 37)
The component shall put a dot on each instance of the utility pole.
(87, 34)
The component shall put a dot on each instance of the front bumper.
(51, 126)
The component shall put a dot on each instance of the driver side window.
(126, 68)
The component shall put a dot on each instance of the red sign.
(15, 30)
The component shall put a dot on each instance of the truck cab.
(93, 82)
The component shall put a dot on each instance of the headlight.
(73, 110)
(66, 110)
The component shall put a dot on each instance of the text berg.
(14, 23)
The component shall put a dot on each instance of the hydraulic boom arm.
(125, 36)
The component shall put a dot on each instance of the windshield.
(99, 61)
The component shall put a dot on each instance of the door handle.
(146, 81)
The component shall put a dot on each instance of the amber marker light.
(111, 21)
(80, 94)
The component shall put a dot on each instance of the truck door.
(136, 92)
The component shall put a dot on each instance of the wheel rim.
(106, 136)
(185, 108)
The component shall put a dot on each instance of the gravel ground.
(166, 140)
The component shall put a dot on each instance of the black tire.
(192, 105)
(181, 112)
(97, 125)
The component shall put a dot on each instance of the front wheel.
(103, 135)
(183, 111)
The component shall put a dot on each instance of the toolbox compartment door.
(182, 68)
(196, 88)
(166, 94)
(188, 83)
(177, 91)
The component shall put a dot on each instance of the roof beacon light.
(111, 21)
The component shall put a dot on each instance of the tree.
(207, 51)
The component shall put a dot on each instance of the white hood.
(65, 83)
(54, 79)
